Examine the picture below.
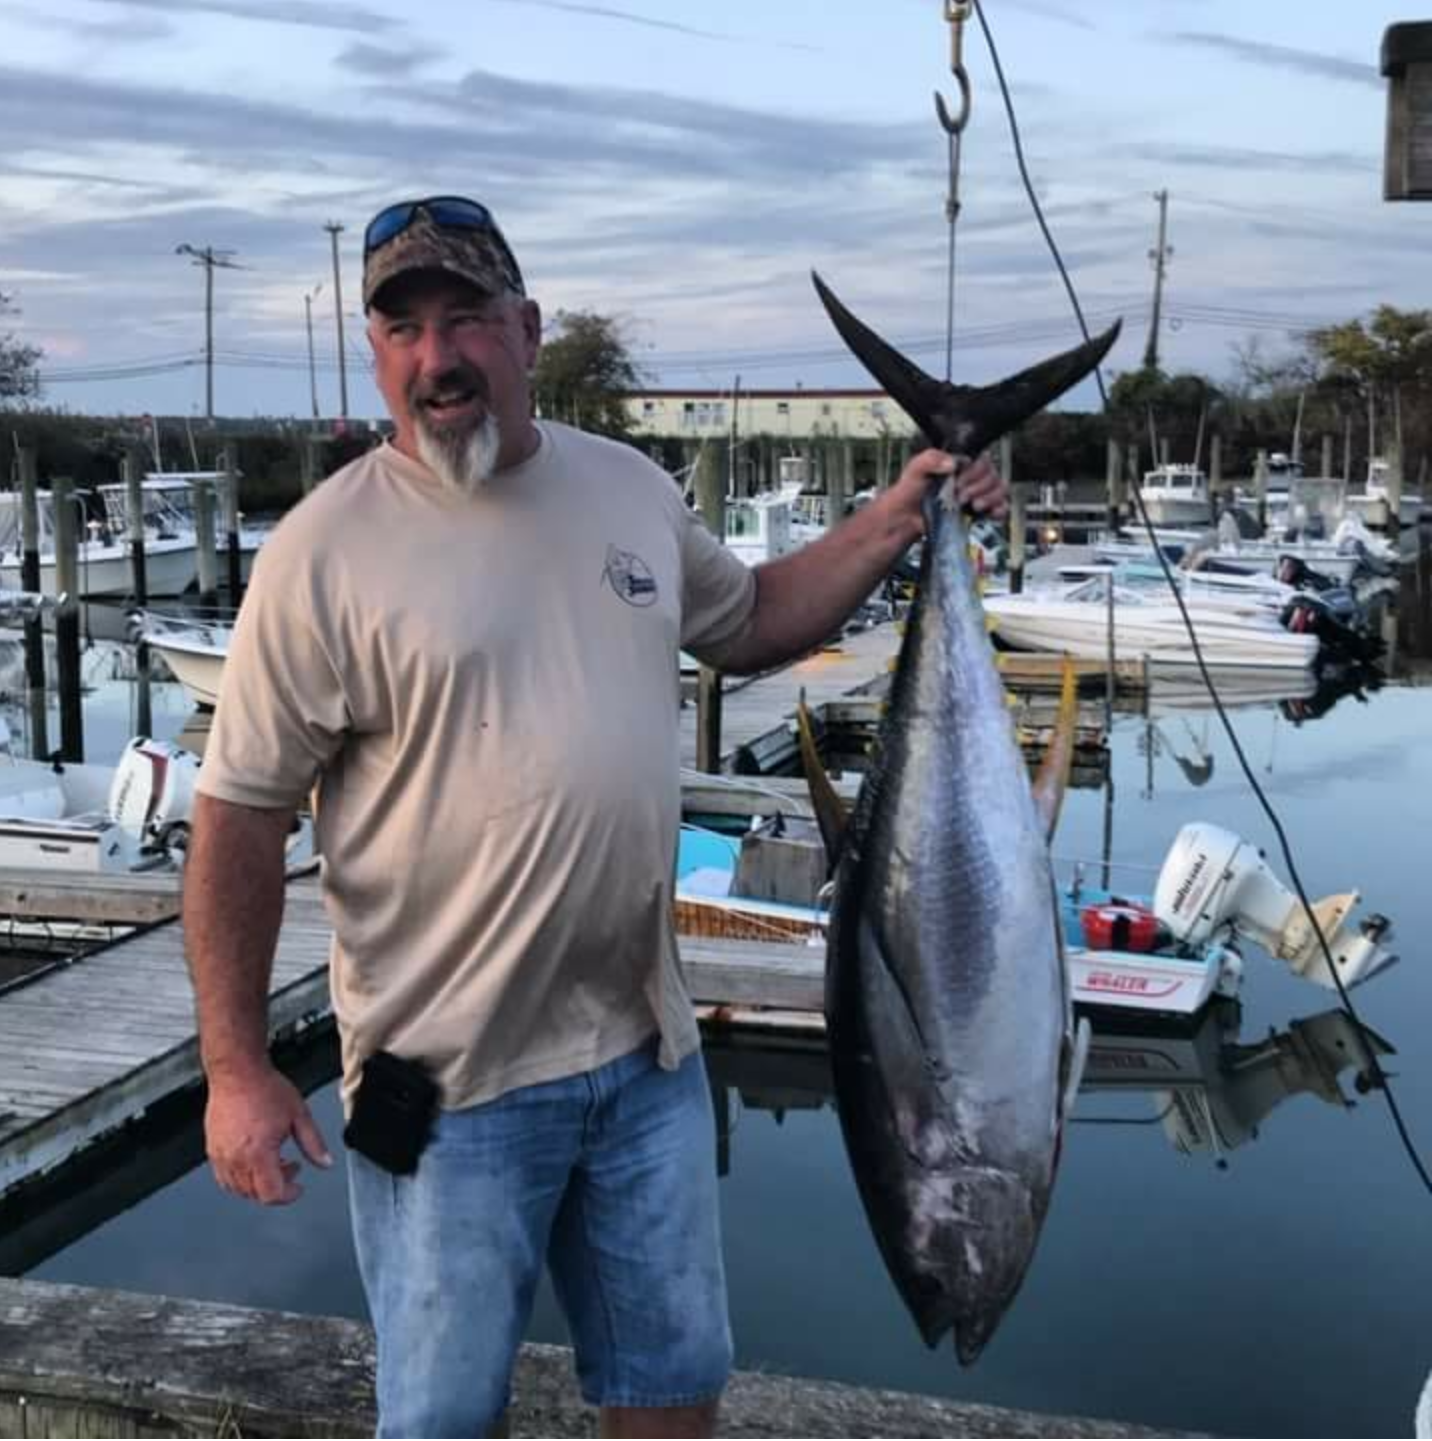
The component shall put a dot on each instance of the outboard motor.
(1213, 882)
(152, 793)
(1335, 618)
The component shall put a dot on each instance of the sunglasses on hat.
(451, 211)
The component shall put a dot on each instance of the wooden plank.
(96, 899)
(155, 1365)
(754, 973)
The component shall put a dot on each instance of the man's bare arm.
(233, 907)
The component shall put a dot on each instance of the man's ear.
(531, 331)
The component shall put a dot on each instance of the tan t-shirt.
(485, 687)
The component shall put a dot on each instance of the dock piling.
(229, 499)
(30, 580)
(204, 542)
(67, 618)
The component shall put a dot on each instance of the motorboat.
(759, 528)
(104, 562)
(1176, 495)
(1172, 951)
(168, 512)
(193, 650)
(123, 818)
(1091, 619)
(1373, 504)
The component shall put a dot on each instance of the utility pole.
(209, 258)
(333, 228)
(1160, 256)
(312, 369)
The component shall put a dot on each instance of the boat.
(119, 819)
(1232, 632)
(1176, 495)
(104, 561)
(168, 509)
(1372, 504)
(760, 528)
(1172, 952)
(193, 650)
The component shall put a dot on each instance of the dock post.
(1018, 517)
(204, 543)
(30, 580)
(133, 479)
(229, 498)
(1216, 492)
(711, 502)
(133, 476)
(1327, 456)
(1393, 523)
(67, 618)
(1260, 489)
(1114, 482)
(308, 463)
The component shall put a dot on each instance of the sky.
(683, 166)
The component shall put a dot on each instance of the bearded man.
(468, 640)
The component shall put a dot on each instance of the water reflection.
(1207, 1089)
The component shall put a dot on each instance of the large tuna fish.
(946, 998)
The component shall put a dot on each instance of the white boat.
(1372, 504)
(105, 567)
(759, 528)
(1171, 953)
(193, 650)
(128, 817)
(168, 500)
(1146, 625)
(1176, 495)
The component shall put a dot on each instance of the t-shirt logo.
(630, 576)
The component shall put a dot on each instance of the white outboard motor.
(1213, 881)
(152, 793)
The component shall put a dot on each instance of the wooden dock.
(159, 1366)
(86, 1048)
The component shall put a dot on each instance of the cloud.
(133, 30)
(273, 12)
(385, 60)
(1282, 57)
(1228, 157)
(629, 17)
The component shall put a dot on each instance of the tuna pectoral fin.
(831, 815)
(963, 419)
(1052, 780)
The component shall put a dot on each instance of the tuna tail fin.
(831, 815)
(963, 419)
(1053, 778)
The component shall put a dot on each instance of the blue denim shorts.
(610, 1178)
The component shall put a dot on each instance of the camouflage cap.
(478, 255)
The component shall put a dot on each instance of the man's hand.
(978, 485)
(246, 1123)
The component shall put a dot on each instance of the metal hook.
(955, 124)
(956, 13)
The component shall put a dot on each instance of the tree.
(1386, 361)
(1178, 409)
(17, 361)
(585, 373)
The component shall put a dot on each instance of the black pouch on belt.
(392, 1113)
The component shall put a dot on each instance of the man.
(468, 639)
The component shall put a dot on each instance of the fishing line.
(1378, 1077)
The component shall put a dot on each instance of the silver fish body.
(947, 1003)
